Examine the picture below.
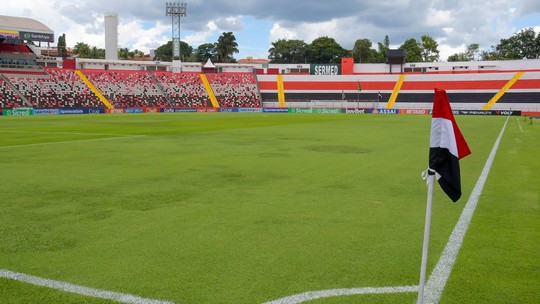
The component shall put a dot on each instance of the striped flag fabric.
(446, 146)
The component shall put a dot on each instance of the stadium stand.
(59, 88)
(128, 89)
(235, 89)
(184, 89)
(8, 98)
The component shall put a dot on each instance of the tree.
(429, 49)
(525, 44)
(82, 50)
(61, 45)
(287, 51)
(226, 47)
(205, 51)
(325, 50)
(383, 49)
(164, 52)
(470, 54)
(413, 53)
(363, 53)
(124, 53)
(97, 53)
(457, 57)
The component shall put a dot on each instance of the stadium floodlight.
(176, 10)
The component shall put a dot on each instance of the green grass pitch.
(249, 208)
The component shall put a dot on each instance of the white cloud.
(277, 32)
(453, 23)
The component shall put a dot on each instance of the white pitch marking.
(82, 290)
(66, 133)
(312, 295)
(441, 273)
(68, 141)
(437, 280)
(519, 124)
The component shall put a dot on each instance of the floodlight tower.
(176, 10)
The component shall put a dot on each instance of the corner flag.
(446, 146)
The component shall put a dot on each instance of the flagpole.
(430, 182)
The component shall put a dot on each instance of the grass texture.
(252, 207)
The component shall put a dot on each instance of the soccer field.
(254, 207)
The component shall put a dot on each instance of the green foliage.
(249, 208)
(61, 46)
(287, 51)
(325, 50)
(429, 49)
(205, 51)
(226, 46)
(470, 54)
(165, 52)
(363, 53)
(522, 45)
(413, 52)
(126, 54)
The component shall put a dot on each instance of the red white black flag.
(446, 146)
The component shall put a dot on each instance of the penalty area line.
(81, 290)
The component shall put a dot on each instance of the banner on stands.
(46, 112)
(384, 111)
(207, 109)
(150, 110)
(250, 110)
(275, 110)
(228, 110)
(18, 112)
(413, 111)
(114, 111)
(356, 110)
(133, 110)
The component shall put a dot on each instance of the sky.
(143, 24)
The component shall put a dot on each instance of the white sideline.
(435, 285)
(68, 141)
(87, 291)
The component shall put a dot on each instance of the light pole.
(176, 10)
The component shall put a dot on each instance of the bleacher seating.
(8, 98)
(235, 89)
(128, 89)
(184, 89)
(60, 88)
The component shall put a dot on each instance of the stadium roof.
(23, 24)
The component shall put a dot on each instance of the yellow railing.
(91, 86)
(503, 90)
(210, 91)
(395, 93)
